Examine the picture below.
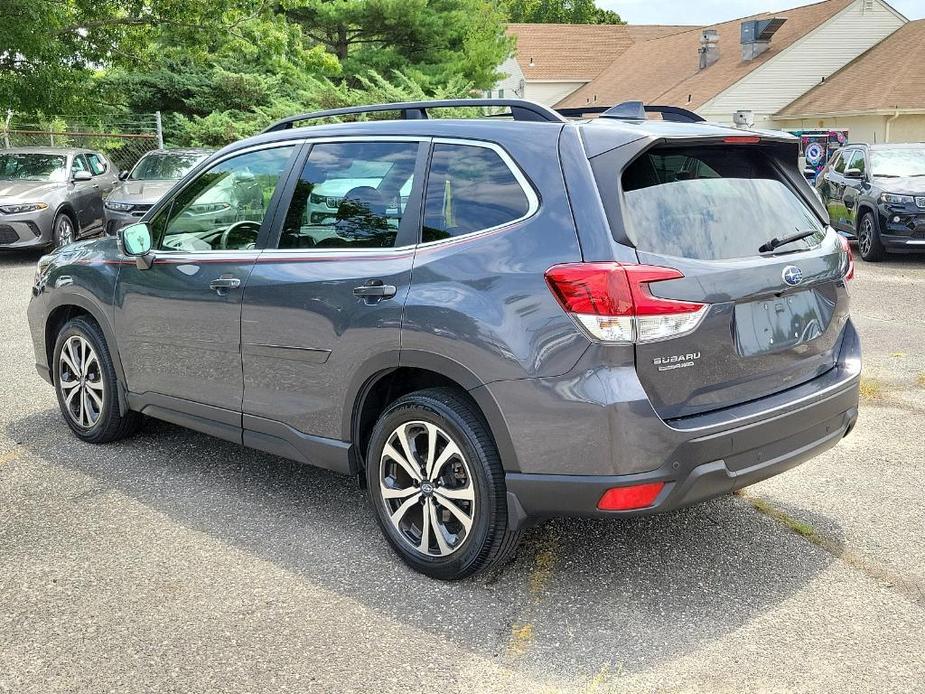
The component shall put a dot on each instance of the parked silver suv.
(52, 196)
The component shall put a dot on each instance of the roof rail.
(521, 110)
(634, 110)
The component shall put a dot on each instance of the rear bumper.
(696, 457)
(692, 481)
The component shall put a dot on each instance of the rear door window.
(97, 164)
(711, 203)
(470, 188)
(351, 195)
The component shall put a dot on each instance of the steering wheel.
(241, 235)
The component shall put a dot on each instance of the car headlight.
(207, 208)
(119, 206)
(892, 199)
(41, 269)
(19, 208)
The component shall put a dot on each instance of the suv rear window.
(711, 203)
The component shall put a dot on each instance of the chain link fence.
(124, 139)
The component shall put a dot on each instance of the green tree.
(434, 40)
(559, 12)
(49, 49)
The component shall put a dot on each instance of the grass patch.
(871, 389)
(799, 527)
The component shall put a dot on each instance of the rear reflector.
(612, 301)
(628, 498)
(849, 265)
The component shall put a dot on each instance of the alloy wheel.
(427, 488)
(80, 381)
(64, 232)
(866, 237)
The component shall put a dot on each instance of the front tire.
(64, 230)
(86, 385)
(870, 248)
(437, 487)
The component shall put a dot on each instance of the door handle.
(222, 284)
(375, 289)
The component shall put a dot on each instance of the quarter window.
(351, 195)
(225, 206)
(470, 188)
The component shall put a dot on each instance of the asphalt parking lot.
(174, 562)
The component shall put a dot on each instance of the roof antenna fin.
(628, 110)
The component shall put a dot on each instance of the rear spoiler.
(633, 110)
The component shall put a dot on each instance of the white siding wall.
(802, 66)
(872, 129)
(550, 93)
(509, 86)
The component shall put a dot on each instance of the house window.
(500, 93)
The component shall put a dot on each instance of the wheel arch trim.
(382, 365)
(85, 302)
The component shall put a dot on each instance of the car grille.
(8, 234)
(139, 210)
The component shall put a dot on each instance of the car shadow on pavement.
(9, 258)
(582, 594)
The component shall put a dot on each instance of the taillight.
(612, 301)
(849, 265)
(628, 498)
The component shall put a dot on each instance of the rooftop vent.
(757, 34)
(709, 48)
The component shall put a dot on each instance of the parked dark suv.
(502, 320)
(876, 194)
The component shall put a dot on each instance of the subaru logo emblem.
(793, 275)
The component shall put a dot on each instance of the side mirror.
(81, 176)
(854, 173)
(135, 240)
(124, 174)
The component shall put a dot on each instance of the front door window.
(225, 207)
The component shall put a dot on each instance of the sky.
(702, 12)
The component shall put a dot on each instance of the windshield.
(165, 167)
(33, 167)
(712, 204)
(898, 162)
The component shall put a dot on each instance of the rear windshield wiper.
(776, 243)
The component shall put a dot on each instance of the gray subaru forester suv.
(502, 321)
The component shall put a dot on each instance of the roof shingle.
(889, 76)
(664, 66)
(576, 52)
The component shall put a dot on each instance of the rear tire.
(86, 384)
(870, 248)
(436, 485)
